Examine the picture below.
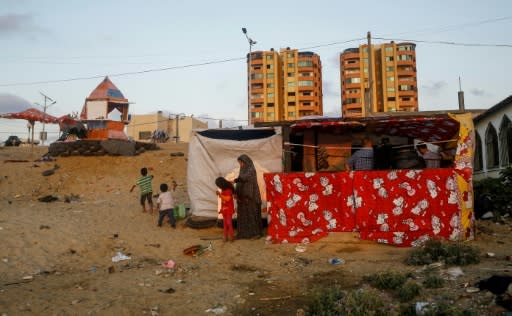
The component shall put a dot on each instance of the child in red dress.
(227, 206)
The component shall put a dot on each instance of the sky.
(51, 46)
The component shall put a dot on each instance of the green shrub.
(386, 280)
(433, 282)
(360, 302)
(499, 189)
(408, 291)
(326, 303)
(448, 252)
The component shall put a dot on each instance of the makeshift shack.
(395, 205)
(213, 153)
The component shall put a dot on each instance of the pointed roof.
(107, 90)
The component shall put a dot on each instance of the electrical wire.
(443, 42)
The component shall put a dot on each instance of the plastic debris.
(300, 248)
(336, 261)
(217, 310)
(120, 257)
(169, 264)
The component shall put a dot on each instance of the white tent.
(214, 153)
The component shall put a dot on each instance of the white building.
(493, 133)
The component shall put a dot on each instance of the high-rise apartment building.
(394, 81)
(284, 86)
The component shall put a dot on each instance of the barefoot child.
(165, 204)
(146, 190)
(227, 206)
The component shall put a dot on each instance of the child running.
(165, 204)
(227, 206)
(146, 190)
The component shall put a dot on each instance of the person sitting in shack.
(432, 159)
(362, 159)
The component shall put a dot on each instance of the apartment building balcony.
(355, 65)
(410, 73)
(352, 95)
(257, 100)
(406, 80)
(307, 98)
(352, 85)
(352, 106)
(406, 62)
(407, 93)
(410, 103)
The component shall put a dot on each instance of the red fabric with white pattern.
(400, 207)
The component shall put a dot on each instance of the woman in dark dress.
(249, 200)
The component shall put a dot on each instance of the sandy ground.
(56, 258)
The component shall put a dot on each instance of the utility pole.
(369, 108)
(45, 106)
(177, 128)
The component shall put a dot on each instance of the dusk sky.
(66, 40)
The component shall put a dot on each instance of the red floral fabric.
(399, 207)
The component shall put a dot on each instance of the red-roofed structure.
(105, 112)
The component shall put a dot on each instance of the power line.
(160, 69)
(123, 73)
(444, 42)
(454, 27)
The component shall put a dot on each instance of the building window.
(291, 103)
(305, 63)
(291, 94)
(270, 76)
(389, 58)
(256, 96)
(306, 103)
(256, 76)
(348, 71)
(405, 57)
(406, 99)
(305, 93)
(505, 142)
(391, 78)
(478, 158)
(365, 60)
(290, 55)
(404, 87)
(270, 66)
(270, 95)
(291, 114)
(306, 74)
(145, 135)
(350, 62)
(352, 80)
(391, 89)
(391, 99)
(352, 101)
(306, 83)
(291, 65)
(389, 48)
(390, 68)
(491, 147)
(257, 115)
(270, 57)
(270, 85)
(257, 105)
(270, 115)
(406, 48)
(291, 84)
(291, 74)
(270, 105)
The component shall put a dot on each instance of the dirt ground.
(56, 258)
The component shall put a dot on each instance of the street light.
(251, 42)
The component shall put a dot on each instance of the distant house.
(493, 150)
(144, 127)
